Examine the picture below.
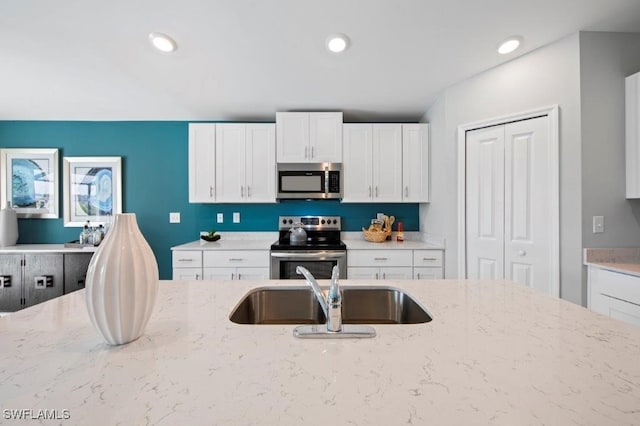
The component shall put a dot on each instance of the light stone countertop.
(234, 241)
(495, 353)
(623, 260)
(45, 248)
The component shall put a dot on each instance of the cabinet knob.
(522, 253)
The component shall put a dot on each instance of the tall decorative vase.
(8, 226)
(122, 282)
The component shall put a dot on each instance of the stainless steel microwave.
(317, 181)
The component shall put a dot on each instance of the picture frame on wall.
(29, 181)
(92, 189)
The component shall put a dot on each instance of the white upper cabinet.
(309, 137)
(632, 134)
(202, 138)
(415, 160)
(232, 163)
(245, 163)
(372, 165)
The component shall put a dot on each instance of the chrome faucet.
(332, 305)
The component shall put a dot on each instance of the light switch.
(174, 217)
(220, 218)
(598, 224)
(236, 217)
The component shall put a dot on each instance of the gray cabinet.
(42, 278)
(75, 271)
(10, 282)
(27, 279)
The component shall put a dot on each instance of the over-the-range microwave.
(316, 181)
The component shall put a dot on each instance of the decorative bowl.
(210, 239)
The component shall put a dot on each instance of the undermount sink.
(298, 305)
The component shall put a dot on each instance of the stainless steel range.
(319, 252)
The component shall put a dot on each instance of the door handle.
(406, 191)
(384, 275)
(210, 190)
(376, 191)
(238, 276)
(241, 191)
(418, 275)
(376, 275)
(313, 154)
(306, 150)
(369, 191)
(232, 274)
(248, 191)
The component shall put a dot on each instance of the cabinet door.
(202, 138)
(11, 290)
(43, 277)
(415, 163)
(325, 137)
(292, 136)
(252, 274)
(398, 273)
(229, 165)
(362, 273)
(187, 274)
(260, 163)
(387, 162)
(220, 274)
(357, 164)
(427, 273)
(75, 271)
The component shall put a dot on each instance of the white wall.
(605, 59)
(546, 76)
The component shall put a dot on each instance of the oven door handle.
(317, 255)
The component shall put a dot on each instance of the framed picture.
(92, 189)
(30, 182)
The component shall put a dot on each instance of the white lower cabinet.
(236, 264)
(614, 294)
(394, 264)
(221, 265)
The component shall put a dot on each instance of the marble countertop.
(45, 248)
(623, 260)
(263, 241)
(495, 353)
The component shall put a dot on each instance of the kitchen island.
(495, 353)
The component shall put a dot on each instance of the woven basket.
(375, 236)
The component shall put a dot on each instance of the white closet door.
(509, 210)
(485, 203)
(527, 204)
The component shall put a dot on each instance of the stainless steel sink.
(298, 305)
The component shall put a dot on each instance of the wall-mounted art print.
(92, 189)
(30, 182)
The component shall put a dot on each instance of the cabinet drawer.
(379, 258)
(236, 258)
(187, 259)
(427, 258)
(619, 286)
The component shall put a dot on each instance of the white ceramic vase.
(122, 282)
(8, 226)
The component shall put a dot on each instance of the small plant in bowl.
(211, 236)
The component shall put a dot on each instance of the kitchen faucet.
(332, 305)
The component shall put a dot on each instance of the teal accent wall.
(155, 182)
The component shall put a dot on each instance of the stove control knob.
(335, 221)
(290, 221)
(284, 221)
(322, 221)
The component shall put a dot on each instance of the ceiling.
(244, 60)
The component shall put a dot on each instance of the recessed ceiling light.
(163, 42)
(509, 45)
(337, 43)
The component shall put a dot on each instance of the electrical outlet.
(220, 218)
(174, 217)
(236, 217)
(598, 224)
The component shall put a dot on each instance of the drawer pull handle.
(185, 260)
(380, 258)
(43, 281)
(429, 258)
(5, 281)
(236, 259)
